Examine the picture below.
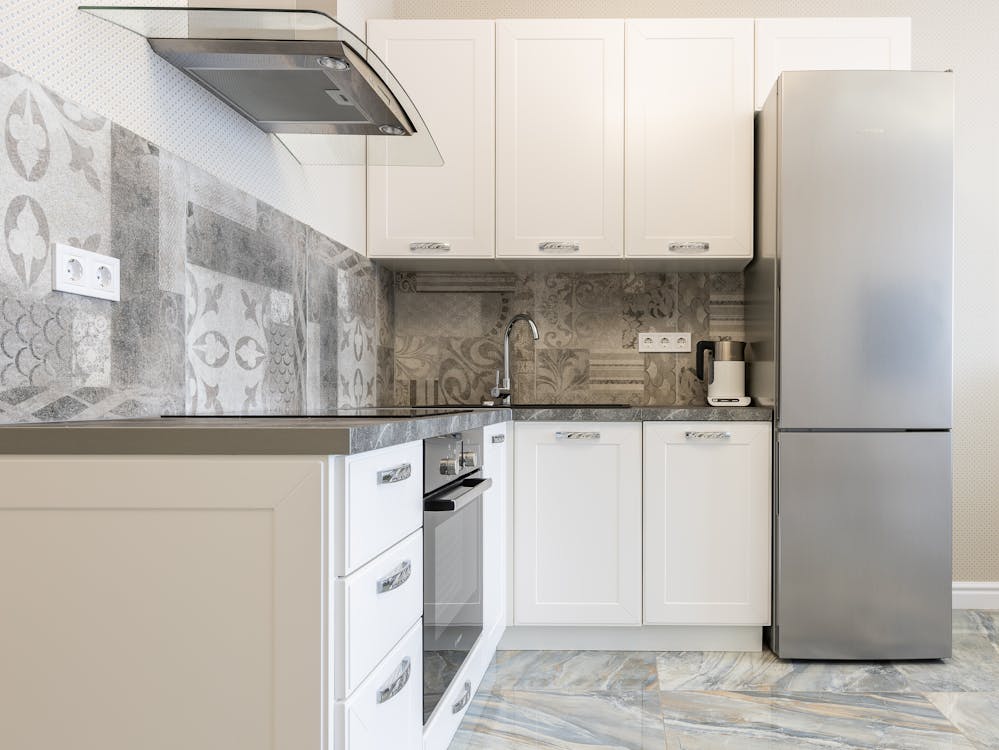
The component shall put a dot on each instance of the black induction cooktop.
(361, 413)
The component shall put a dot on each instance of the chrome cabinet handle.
(708, 435)
(397, 474)
(396, 578)
(499, 439)
(396, 682)
(689, 248)
(577, 435)
(466, 696)
(429, 248)
(558, 247)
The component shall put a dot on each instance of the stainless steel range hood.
(298, 74)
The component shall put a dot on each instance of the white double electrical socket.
(79, 271)
(655, 341)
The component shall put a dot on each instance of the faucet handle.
(497, 378)
(497, 391)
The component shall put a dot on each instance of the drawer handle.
(396, 682)
(499, 439)
(396, 578)
(398, 474)
(708, 435)
(689, 248)
(577, 435)
(558, 247)
(429, 248)
(466, 696)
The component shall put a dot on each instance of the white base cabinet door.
(689, 139)
(446, 211)
(828, 44)
(497, 438)
(559, 138)
(707, 523)
(578, 523)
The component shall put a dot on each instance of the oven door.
(452, 584)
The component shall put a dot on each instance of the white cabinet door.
(447, 68)
(559, 138)
(828, 44)
(578, 523)
(689, 138)
(707, 523)
(494, 524)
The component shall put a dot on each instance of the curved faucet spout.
(502, 391)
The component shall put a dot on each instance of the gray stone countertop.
(647, 414)
(286, 436)
(310, 435)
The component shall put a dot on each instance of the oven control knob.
(449, 467)
(469, 459)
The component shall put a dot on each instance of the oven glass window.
(452, 611)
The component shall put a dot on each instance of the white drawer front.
(384, 502)
(386, 711)
(375, 607)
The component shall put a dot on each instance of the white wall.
(114, 73)
(958, 34)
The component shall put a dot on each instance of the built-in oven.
(452, 561)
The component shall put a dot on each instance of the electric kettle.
(725, 373)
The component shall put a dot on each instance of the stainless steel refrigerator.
(849, 324)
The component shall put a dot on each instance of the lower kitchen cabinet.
(578, 523)
(707, 523)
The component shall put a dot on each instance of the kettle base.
(741, 401)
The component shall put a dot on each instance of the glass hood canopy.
(298, 74)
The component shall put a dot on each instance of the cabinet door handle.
(396, 474)
(499, 439)
(396, 682)
(577, 435)
(429, 248)
(396, 578)
(466, 696)
(558, 247)
(708, 435)
(689, 248)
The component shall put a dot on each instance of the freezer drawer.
(863, 546)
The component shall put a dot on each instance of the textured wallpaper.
(449, 335)
(228, 305)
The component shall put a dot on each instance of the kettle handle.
(703, 346)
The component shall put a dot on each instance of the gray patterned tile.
(135, 205)
(561, 375)
(52, 152)
(61, 409)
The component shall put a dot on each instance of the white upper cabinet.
(578, 523)
(689, 139)
(828, 44)
(559, 138)
(707, 523)
(447, 67)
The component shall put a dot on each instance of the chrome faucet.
(502, 391)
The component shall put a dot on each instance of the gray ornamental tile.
(135, 203)
(53, 149)
(467, 369)
(561, 375)
(148, 343)
(59, 410)
(14, 396)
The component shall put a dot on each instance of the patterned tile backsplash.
(449, 327)
(228, 305)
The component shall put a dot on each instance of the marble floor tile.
(756, 720)
(573, 671)
(976, 715)
(762, 671)
(521, 719)
(974, 667)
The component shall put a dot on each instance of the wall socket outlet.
(79, 271)
(655, 341)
